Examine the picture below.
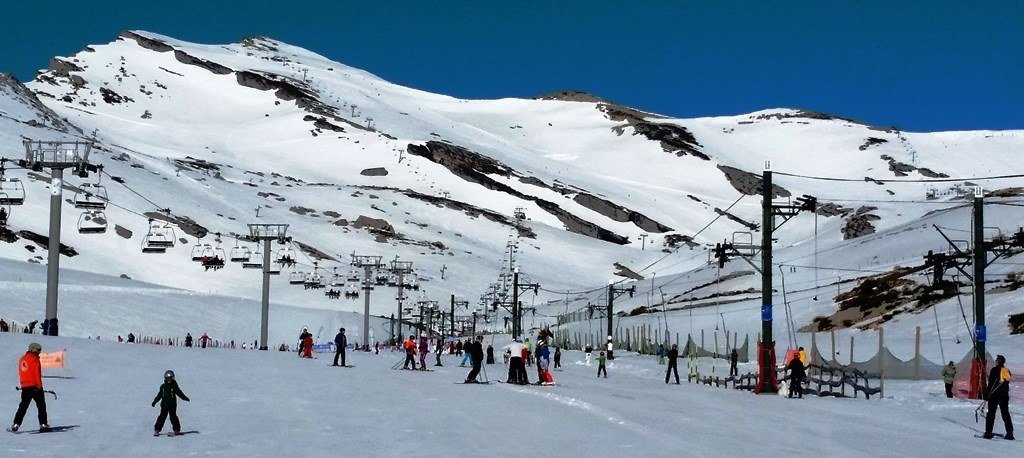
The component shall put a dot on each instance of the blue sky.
(924, 66)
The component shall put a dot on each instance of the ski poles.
(17, 388)
(981, 408)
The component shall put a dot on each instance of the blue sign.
(980, 333)
(323, 348)
(766, 312)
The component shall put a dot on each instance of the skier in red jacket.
(31, 374)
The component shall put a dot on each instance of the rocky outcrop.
(212, 67)
(151, 44)
(374, 172)
(859, 223)
(749, 183)
(477, 168)
(619, 213)
(674, 139)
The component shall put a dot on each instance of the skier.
(600, 365)
(438, 348)
(307, 346)
(796, 377)
(610, 348)
(588, 350)
(673, 367)
(203, 341)
(476, 352)
(529, 352)
(31, 374)
(131, 338)
(188, 339)
(3, 325)
(458, 348)
(543, 364)
(424, 346)
(465, 353)
(661, 354)
(948, 374)
(516, 367)
(302, 340)
(558, 358)
(410, 353)
(340, 343)
(168, 398)
(998, 396)
(733, 359)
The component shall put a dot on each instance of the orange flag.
(51, 360)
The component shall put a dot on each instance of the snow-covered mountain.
(356, 164)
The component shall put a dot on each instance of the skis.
(994, 435)
(182, 433)
(52, 429)
(331, 365)
(472, 383)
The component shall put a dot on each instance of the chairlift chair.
(198, 250)
(92, 222)
(313, 281)
(353, 275)
(332, 294)
(159, 238)
(213, 258)
(297, 278)
(241, 254)
(12, 191)
(392, 280)
(91, 197)
(286, 257)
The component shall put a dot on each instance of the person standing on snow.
(340, 344)
(611, 348)
(490, 354)
(410, 353)
(30, 373)
(948, 374)
(465, 353)
(188, 339)
(307, 346)
(601, 359)
(529, 351)
(588, 350)
(796, 377)
(476, 352)
(424, 347)
(673, 367)
(458, 348)
(168, 399)
(516, 367)
(998, 397)
(733, 359)
(661, 354)
(558, 358)
(204, 340)
(544, 363)
(438, 349)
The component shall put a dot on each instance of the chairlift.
(92, 222)
(332, 294)
(286, 257)
(313, 281)
(392, 280)
(353, 275)
(199, 249)
(213, 257)
(240, 254)
(297, 278)
(255, 261)
(336, 279)
(381, 279)
(351, 292)
(12, 191)
(91, 197)
(159, 238)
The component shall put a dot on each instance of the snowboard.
(53, 429)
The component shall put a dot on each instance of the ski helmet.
(35, 347)
(169, 375)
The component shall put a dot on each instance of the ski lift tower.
(400, 268)
(368, 263)
(266, 233)
(56, 156)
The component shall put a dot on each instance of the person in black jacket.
(490, 354)
(168, 398)
(188, 339)
(999, 397)
(673, 368)
(476, 354)
(558, 358)
(797, 374)
(340, 342)
(733, 359)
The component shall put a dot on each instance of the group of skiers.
(521, 354)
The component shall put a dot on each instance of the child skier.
(601, 359)
(168, 398)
